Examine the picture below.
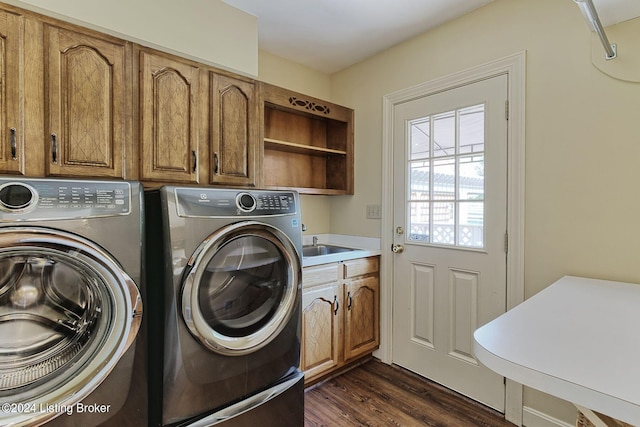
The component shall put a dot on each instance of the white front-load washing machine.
(71, 350)
(224, 283)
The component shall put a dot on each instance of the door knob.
(397, 249)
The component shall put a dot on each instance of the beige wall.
(582, 138)
(209, 31)
(291, 75)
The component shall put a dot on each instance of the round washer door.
(241, 287)
(67, 314)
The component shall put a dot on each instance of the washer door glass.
(66, 314)
(242, 288)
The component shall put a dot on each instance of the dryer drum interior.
(241, 288)
(66, 315)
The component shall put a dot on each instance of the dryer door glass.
(62, 320)
(242, 288)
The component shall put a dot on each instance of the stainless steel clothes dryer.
(225, 279)
(70, 303)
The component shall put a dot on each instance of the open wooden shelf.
(307, 143)
(292, 147)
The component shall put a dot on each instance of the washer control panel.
(61, 199)
(204, 202)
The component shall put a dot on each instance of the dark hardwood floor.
(376, 394)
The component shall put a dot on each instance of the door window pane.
(444, 129)
(471, 178)
(444, 215)
(446, 167)
(472, 129)
(444, 179)
(419, 178)
(419, 221)
(420, 146)
(471, 225)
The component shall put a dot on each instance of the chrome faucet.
(315, 240)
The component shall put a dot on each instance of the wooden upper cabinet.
(12, 155)
(234, 131)
(169, 126)
(87, 103)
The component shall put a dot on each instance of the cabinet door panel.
(361, 323)
(169, 134)
(87, 105)
(320, 331)
(234, 135)
(11, 103)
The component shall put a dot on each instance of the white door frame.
(514, 66)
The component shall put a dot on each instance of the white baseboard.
(535, 418)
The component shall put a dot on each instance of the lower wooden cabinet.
(361, 315)
(340, 315)
(320, 330)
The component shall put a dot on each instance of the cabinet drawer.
(318, 275)
(361, 266)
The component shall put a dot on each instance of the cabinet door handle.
(216, 164)
(336, 305)
(350, 301)
(54, 148)
(13, 143)
(195, 160)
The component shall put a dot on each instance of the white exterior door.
(450, 221)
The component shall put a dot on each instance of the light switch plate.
(374, 211)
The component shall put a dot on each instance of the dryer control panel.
(203, 202)
(63, 199)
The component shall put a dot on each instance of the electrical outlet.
(374, 211)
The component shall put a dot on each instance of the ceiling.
(329, 35)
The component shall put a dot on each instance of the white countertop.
(364, 247)
(578, 339)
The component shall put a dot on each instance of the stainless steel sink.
(317, 250)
